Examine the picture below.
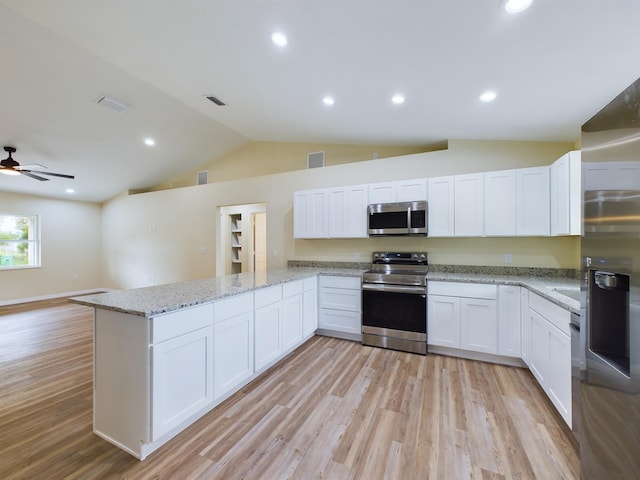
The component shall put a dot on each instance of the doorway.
(242, 245)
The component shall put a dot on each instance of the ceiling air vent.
(203, 178)
(110, 102)
(315, 159)
(216, 100)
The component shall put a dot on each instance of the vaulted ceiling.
(551, 66)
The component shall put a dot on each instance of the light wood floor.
(332, 410)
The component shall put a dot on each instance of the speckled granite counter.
(543, 286)
(150, 301)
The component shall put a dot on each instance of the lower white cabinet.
(267, 326)
(340, 305)
(309, 306)
(525, 326)
(182, 373)
(233, 343)
(462, 316)
(550, 351)
(291, 323)
(509, 321)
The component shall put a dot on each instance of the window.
(19, 241)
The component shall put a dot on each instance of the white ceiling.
(552, 66)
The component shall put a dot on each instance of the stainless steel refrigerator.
(610, 244)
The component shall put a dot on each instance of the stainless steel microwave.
(401, 218)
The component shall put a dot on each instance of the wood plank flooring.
(332, 410)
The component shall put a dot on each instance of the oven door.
(395, 311)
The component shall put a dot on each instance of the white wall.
(71, 244)
(155, 238)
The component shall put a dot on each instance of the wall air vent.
(216, 100)
(315, 159)
(203, 178)
(110, 102)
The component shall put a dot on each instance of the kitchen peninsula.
(166, 355)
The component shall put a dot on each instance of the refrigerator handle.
(608, 281)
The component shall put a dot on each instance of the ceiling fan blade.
(42, 179)
(62, 175)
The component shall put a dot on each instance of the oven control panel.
(415, 258)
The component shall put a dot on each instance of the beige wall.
(266, 158)
(156, 237)
(70, 236)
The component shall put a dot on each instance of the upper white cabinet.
(469, 205)
(532, 201)
(565, 195)
(441, 206)
(310, 214)
(347, 214)
(398, 191)
(499, 203)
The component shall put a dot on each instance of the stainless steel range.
(394, 301)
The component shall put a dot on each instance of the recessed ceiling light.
(279, 39)
(513, 6)
(328, 100)
(70, 190)
(488, 96)
(149, 141)
(397, 99)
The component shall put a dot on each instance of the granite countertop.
(546, 287)
(158, 299)
(155, 300)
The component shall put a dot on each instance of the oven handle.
(378, 287)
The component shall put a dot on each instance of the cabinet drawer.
(340, 282)
(231, 307)
(174, 324)
(290, 289)
(466, 290)
(340, 299)
(267, 296)
(553, 313)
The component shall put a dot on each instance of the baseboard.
(77, 293)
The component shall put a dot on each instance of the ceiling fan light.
(9, 171)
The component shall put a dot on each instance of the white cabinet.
(565, 199)
(499, 203)
(411, 190)
(550, 351)
(233, 343)
(181, 342)
(182, 374)
(309, 307)
(267, 326)
(310, 214)
(340, 305)
(291, 324)
(441, 206)
(469, 205)
(464, 316)
(478, 325)
(398, 191)
(532, 202)
(525, 325)
(509, 320)
(347, 215)
(443, 320)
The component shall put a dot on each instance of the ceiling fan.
(9, 166)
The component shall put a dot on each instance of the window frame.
(34, 242)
